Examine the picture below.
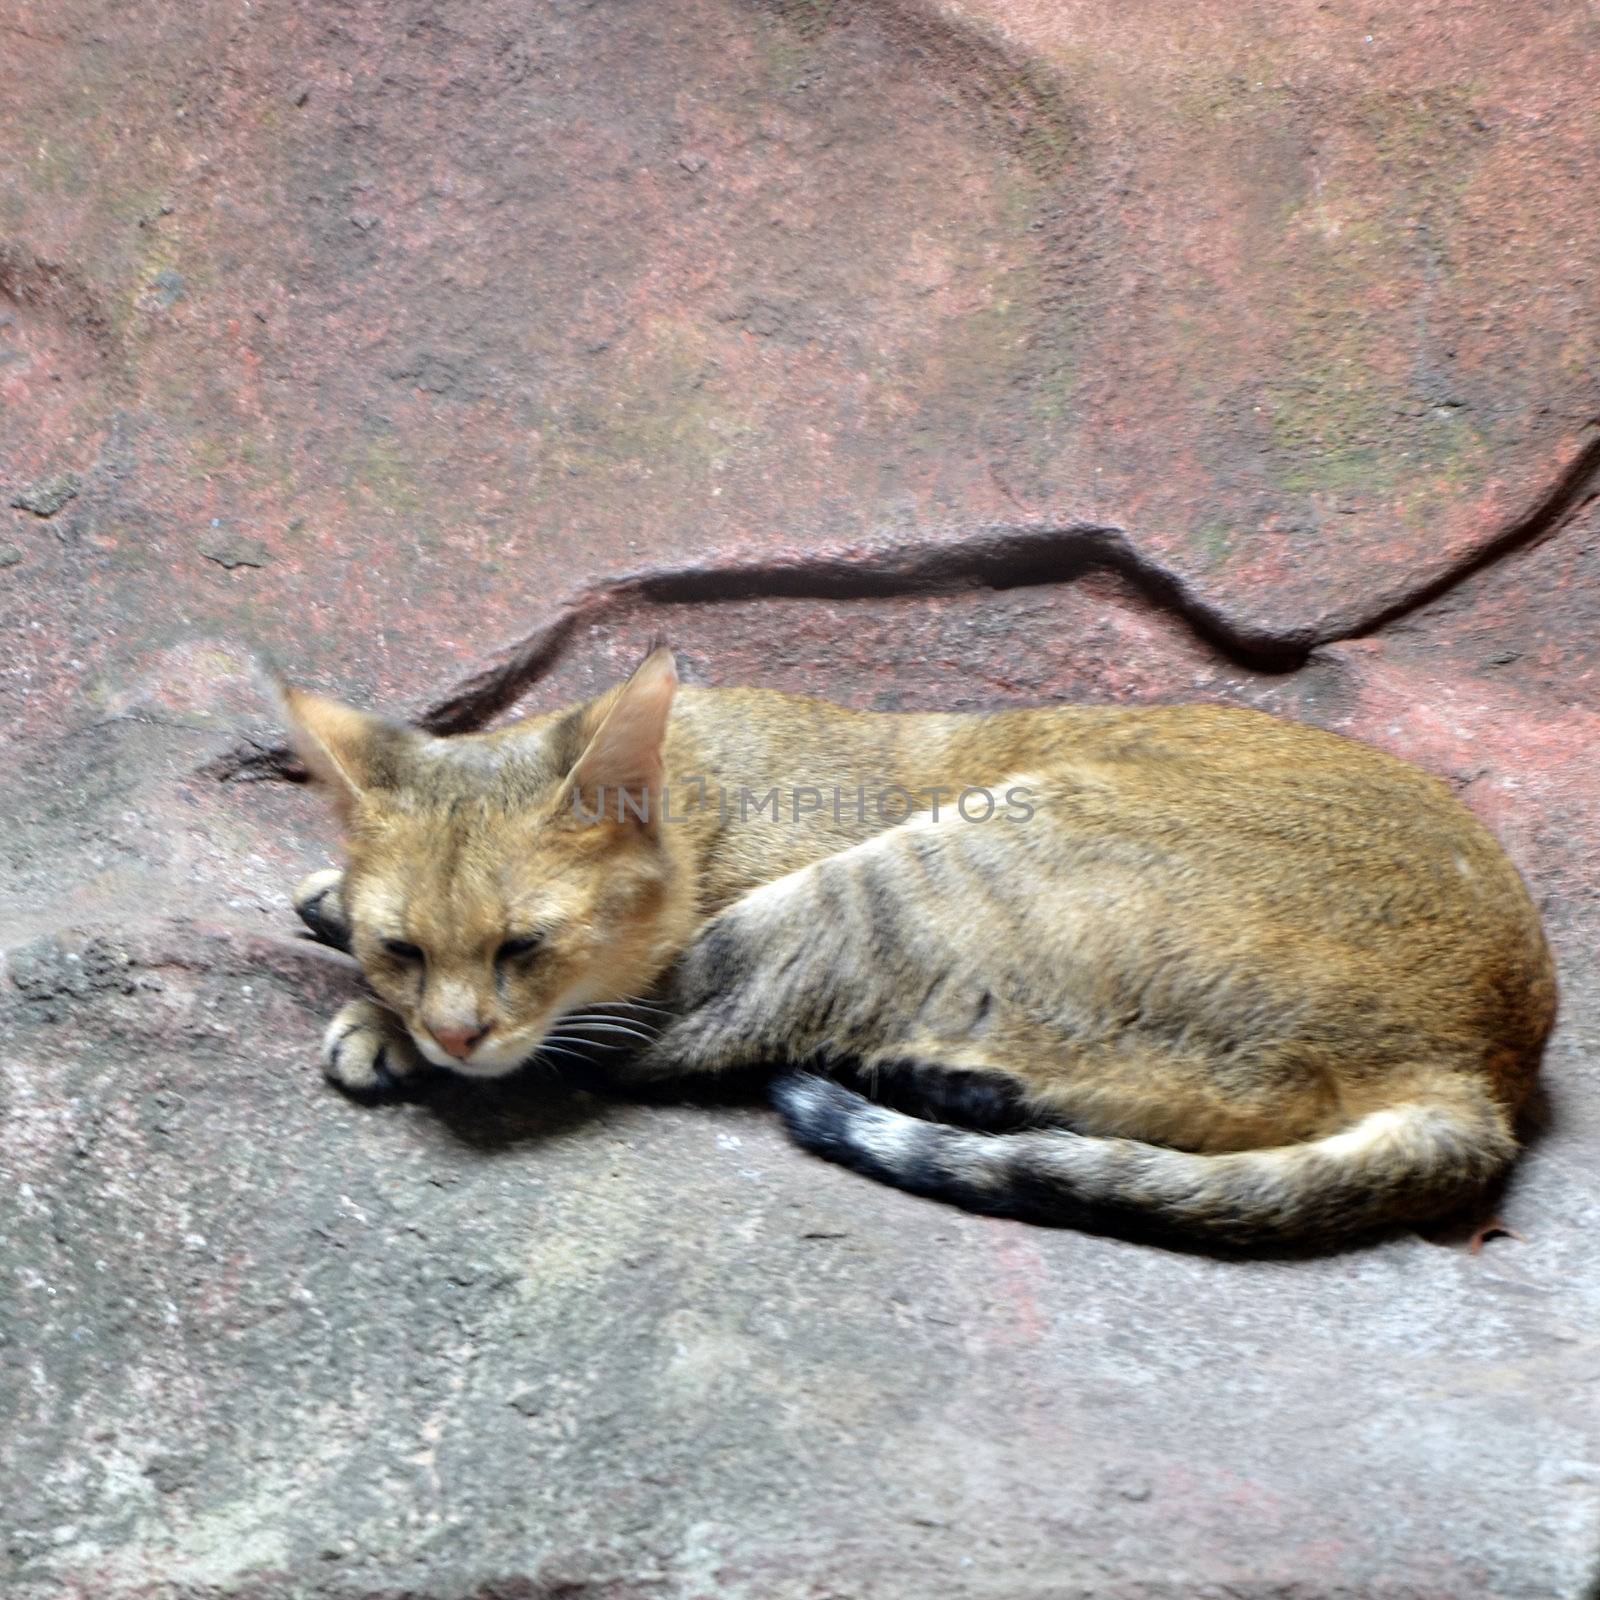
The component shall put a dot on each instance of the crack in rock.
(994, 556)
(1573, 489)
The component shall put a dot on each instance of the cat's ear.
(619, 774)
(350, 752)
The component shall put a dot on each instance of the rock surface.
(919, 353)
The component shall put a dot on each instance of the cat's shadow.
(539, 1103)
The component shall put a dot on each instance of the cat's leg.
(319, 903)
(845, 961)
(366, 1050)
(987, 1099)
(734, 992)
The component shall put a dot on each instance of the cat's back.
(1277, 836)
(1292, 811)
(1288, 814)
(1244, 781)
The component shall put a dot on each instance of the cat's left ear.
(620, 774)
(350, 752)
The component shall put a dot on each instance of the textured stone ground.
(921, 353)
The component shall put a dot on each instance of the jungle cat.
(1192, 973)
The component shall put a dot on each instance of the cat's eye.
(401, 951)
(515, 949)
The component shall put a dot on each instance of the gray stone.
(232, 552)
(47, 497)
(647, 1350)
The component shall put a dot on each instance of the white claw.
(313, 888)
(365, 1048)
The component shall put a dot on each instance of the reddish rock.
(920, 353)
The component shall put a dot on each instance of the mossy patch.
(810, 19)
(1339, 425)
(1027, 106)
(672, 415)
(789, 49)
(1213, 542)
(1346, 410)
(57, 168)
(381, 471)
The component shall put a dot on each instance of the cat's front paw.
(319, 903)
(367, 1051)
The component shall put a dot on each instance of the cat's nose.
(458, 1042)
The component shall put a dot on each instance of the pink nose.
(458, 1042)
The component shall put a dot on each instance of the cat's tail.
(1412, 1162)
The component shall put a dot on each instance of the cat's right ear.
(349, 752)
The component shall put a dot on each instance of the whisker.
(587, 1044)
(597, 1019)
(632, 1003)
(555, 1049)
(590, 1024)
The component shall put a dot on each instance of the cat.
(1186, 972)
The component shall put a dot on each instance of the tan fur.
(1216, 932)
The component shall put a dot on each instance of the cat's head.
(496, 882)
